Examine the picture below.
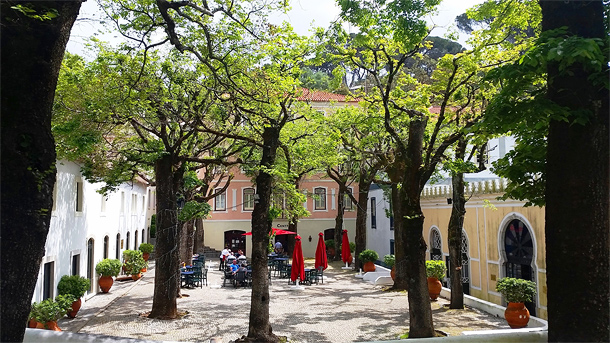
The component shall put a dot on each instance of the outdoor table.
(278, 263)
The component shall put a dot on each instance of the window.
(106, 244)
(392, 247)
(150, 199)
(373, 213)
(79, 196)
(319, 198)
(103, 205)
(134, 203)
(143, 236)
(75, 264)
(220, 201)
(90, 266)
(117, 254)
(143, 204)
(248, 199)
(347, 201)
(48, 280)
(122, 202)
(127, 245)
(135, 240)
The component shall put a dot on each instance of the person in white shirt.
(223, 257)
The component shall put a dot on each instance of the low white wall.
(39, 335)
(538, 336)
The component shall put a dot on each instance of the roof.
(322, 96)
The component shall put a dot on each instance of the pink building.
(232, 211)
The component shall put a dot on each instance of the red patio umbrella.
(321, 259)
(273, 231)
(346, 255)
(298, 264)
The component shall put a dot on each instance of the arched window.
(106, 239)
(135, 240)
(144, 240)
(436, 245)
(118, 246)
(90, 258)
(519, 250)
(127, 243)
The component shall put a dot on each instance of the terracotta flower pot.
(369, 267)
(33, 324)
(434, 287)
(105, 283)
(393, 273)
(52, 326)
(136, 277)
(144, 270)
(145, 256)
(75, 307)
(517, 315)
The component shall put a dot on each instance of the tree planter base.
(105, 283)
(369, 267)
(75, 307)
(136, 276)
(517, 315)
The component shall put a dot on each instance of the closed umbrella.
(298, 264)
(346, 255)
(321, 259)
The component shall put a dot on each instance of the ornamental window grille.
(436, 245)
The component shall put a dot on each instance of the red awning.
(275, 231)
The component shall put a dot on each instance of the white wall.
(379, 239)
(70, 230)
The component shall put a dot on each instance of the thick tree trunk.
(32, 51)
(364, 184)
(577, 190)
(259, 327)
(199, 237)
(456, 223)
(187, 242)
(338, 239)
(167, 257)
(420, 312)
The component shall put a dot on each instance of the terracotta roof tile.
(322, 96)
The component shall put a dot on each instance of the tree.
(34, 37)
(577, 198)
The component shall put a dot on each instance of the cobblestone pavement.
(343, 309)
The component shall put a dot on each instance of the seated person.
(234, 267)
(279, 248)
(242, 268)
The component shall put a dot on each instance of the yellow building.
(501, 238)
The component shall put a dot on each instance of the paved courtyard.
(343, 309)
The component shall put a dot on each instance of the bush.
(516, 290)
(146, 248)
(74, 285)
(108, 267)
(368, 255)
(153, 226)
(50, 310)
(330, 243)
(436, 269)
(352, 246)
(389, 260)
(134, 262)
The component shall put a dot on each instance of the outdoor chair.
(228, 276)
(313, 277)
(204, 276)
(197, 277)
(321, 274)
(284, 271)
(240, 279)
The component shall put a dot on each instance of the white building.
(87, 227)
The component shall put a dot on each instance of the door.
(235, 240)
(519, 248)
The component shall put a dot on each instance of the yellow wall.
(484, 226)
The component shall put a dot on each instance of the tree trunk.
(577, 190)
(400, 280)
(199, 237)
(259, 327)
(167, 257)
(187, 242)
(338, 239)
(32, 52)
(420, 312)
(339, 222)
(456, 223)
(364, 184)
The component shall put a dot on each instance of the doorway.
(235, 240)
(519, 249)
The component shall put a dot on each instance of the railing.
(478, 187)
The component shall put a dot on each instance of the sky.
(301, 17)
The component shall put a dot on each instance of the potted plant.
(389, 261)
(516, 292)
(368, 257)
(76, 286)
(435, 271)
(50, 310)
(330, 245)
(107, 268)
(146, 249)
(134, 263)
